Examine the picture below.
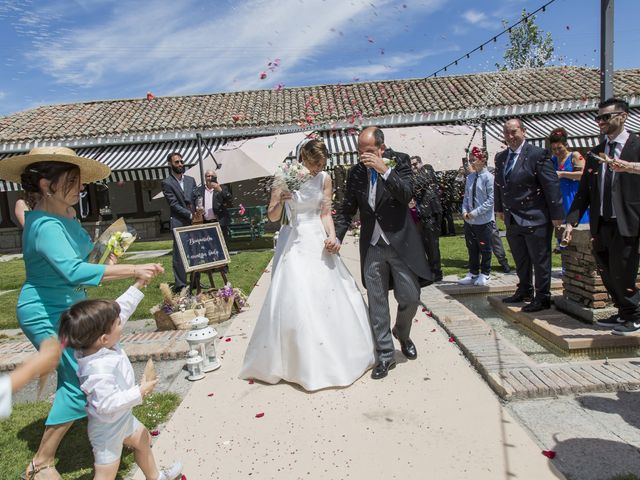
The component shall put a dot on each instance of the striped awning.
(581, 127)
(148, 161)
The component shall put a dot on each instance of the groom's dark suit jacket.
(391, 211)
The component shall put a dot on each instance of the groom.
(391, 253)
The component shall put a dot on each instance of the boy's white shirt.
(106, 400)
(5, 396)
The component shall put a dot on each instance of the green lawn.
(244, 271)
(20, 436)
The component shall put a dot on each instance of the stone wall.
(581, 282)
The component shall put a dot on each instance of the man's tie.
(607, 200)
(509, 166)
(374, 177)
(473, 192)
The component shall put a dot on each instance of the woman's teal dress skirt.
(55, 250)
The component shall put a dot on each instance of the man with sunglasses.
(614, 197)
(179, 189)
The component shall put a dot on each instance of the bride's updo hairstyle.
(314, 152)
(52, 171)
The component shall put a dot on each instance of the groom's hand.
(332, 245)
(371, 160)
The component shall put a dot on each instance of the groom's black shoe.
(382, 368)
(407, 347)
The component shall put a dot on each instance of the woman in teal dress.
(55, 250)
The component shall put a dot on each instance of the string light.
(494, 39)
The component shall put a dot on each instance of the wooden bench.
(249, 224)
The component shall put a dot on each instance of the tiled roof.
(325, 104)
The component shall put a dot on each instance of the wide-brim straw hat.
(90, 170)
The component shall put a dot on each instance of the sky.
(67, 51)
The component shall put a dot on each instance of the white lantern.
(201, 338)
(194, 365)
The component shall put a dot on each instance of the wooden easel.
(195, 275)
(194, 281)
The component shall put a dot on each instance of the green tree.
(528, 46)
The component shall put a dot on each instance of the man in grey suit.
(178, 189)
(527, 196)
(391, 252)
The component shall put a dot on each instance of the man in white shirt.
(215, 200)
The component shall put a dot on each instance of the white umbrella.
(242, 160)
(246, 159)
(441, 146)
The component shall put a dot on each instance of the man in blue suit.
(178, 189)
(528, 198)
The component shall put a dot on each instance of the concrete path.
(431, 418)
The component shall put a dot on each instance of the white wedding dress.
(313, 329)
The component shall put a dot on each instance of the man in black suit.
(427, 195)
(613, 193)
(391, 253)
(215, 200)
(178, 189)
(527, 196)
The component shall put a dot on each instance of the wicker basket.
(182, 320)
(218, 310)
(163, 320)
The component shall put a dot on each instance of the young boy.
(477, 211)
(93, 328)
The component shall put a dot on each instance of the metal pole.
(483, 125)
(606, 49)
(199, 139)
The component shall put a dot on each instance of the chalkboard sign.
(201, 247)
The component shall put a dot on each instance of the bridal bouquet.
(289, 177)
(116, 239)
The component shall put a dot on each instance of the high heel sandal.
(31, 471)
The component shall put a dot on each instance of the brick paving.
(169, 345)
(510, 372)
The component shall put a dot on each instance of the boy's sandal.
(31, 471)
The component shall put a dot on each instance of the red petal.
(154, 433)
(209, 394)
(433, 330)
(424, 309)
(183, 477)
(452, 340)
(260, 415)
(549, 453)
(227, 339)
(250, 381)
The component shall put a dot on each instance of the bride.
(313, 328)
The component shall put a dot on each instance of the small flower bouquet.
(289, 177)
(176, 310)
(116, 239)
(354, 228)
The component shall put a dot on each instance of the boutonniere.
(390, 162)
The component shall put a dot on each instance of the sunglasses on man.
(605, 117)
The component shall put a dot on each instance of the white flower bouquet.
(289, 177)
(114, 240)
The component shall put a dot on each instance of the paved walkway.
(431, 418)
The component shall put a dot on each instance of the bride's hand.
(332, 245)
(284, 196)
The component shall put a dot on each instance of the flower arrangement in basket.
(176, 311)
(219, 303)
